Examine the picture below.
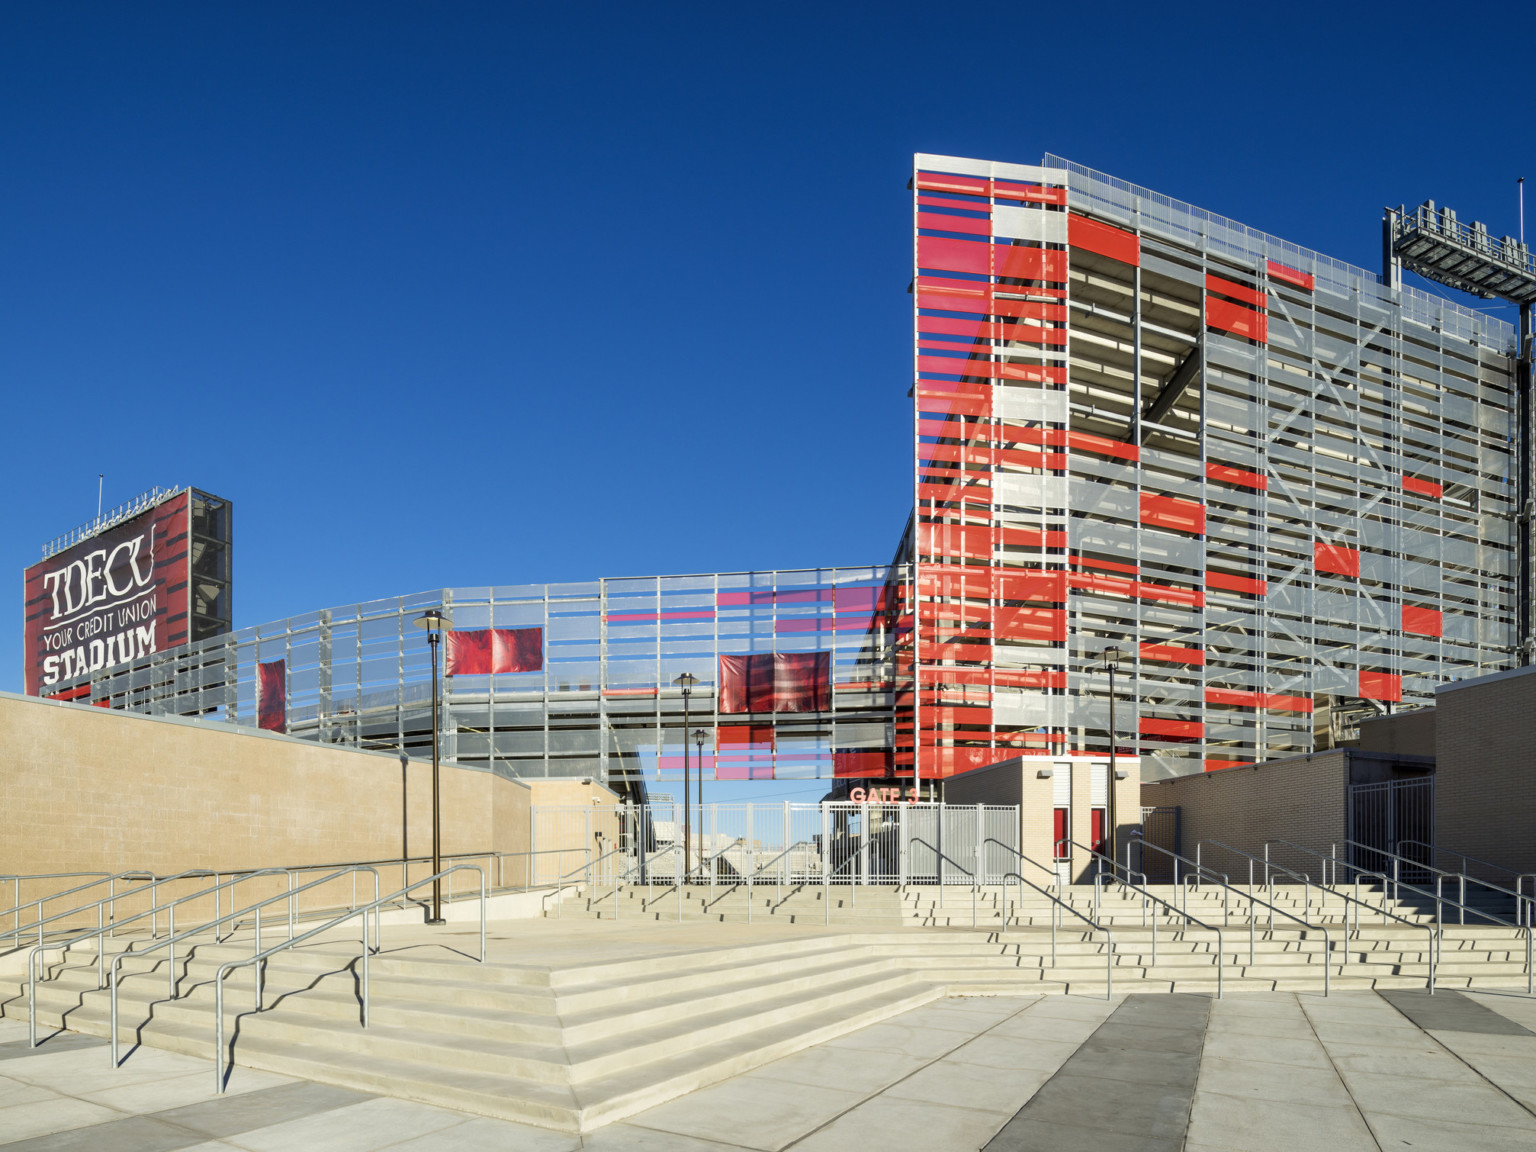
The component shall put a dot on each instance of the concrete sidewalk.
(1248, 1073)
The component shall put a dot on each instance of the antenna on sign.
(100, 476)
(1520, 183)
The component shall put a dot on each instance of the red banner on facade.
(492, 651)
(776, 682)
(272, 695)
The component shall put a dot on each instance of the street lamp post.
(1112, 658)
(686, 682)
(434, 622)
(699, 736)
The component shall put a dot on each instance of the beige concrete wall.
(85, 788)
(1401, 734)
(1485, 778)
(1018, 781)
(1301, 799)
(569, 817)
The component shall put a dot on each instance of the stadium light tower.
(434, 622)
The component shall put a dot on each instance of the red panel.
(1096, 829)
(1103, 445)
(974, 185)
(272, 696)
(1171, 654)
(1172, 729)
(1091, 236)
(1240, 476)
(744, 737)
(948, 493)
(954, 201)
(954, 255)
(940, 222)
(74, 693)
(1287, 703)
(1021, 458)
(101, 703)
(1235, 698)
(1225, 583)
(1422, 621)
(953, 295)
(1237, 291)
(1380, 686)
(1218, 765)
(1062, 833)
(855, 764)
(1335, 559)
(1422, 487)
(1032, 585)
(1291, 276)
(962, 402)
(1169, 512)
(1236, 319)
(1016, 263)
(1032, 193)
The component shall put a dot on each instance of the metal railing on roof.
(98, 524)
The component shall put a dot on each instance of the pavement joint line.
(915, 1071)
(1499, 1088)
(879, 1092)
(1343, 1083)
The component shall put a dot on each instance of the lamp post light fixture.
(434, 622)
(1112, 657)
(699, 736)
(686, 682)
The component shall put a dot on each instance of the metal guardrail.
(15, 912)
(1520, 877)
(1522, 903)
(1057, 905)
(260, 958)
(1343, 896)
(109, 928)
(232, 917)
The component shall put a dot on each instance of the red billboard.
(119, 595)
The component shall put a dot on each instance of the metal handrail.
(1057, 904)
(1201, 872)
(975, 884)
(1520, 877)
(1344, 896)
(853, 887)
(759, 871)
(1439, 930)
(170, 941)
(585, 867)
(110, 928)
(1522, 902)
(261, 958)
(15, 913)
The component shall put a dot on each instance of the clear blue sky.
(472, 293)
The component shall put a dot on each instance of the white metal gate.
(838, 843)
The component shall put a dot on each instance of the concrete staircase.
(579, 1043)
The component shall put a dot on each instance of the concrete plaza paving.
(1247, 1073)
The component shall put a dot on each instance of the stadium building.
(1290, 492)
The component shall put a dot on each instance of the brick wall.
(1301, 799)
(1485, 787)
(1401, 734)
